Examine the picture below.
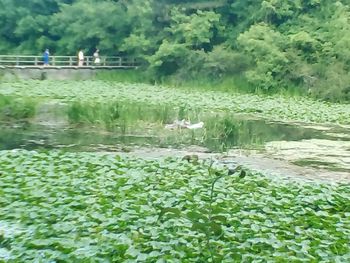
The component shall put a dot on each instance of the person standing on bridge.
(97, 59)
(46, 57)
(80, 58)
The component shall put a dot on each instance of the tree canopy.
(272, 44)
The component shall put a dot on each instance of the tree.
(25, 25)
(142, 39)
(265, 46)
(88, 24)
(196, 30)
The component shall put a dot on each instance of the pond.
(236, 132)
(326, 147)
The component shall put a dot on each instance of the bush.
(210, 66)
(222, 61)
(332, 83)
(169, 58)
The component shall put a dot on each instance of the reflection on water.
(228, 133)
(219, 134)
(41, 137)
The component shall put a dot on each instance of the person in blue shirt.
(46, 57)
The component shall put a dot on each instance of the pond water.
(324, 147)
(236, 132)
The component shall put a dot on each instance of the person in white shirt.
(97, 59)
(80, 58)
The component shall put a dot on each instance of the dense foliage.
(94, 96)
(88, 207)
(273, 44)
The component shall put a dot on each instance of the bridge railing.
(66, 61)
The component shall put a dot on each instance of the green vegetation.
(141, 111)
(114, 114)
(269, 45)
(86, 207)
(124, 76)
(100, 92)
(221, 59)
(16, 108)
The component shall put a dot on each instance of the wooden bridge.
(66, 62)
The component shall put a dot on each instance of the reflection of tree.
(228, 132)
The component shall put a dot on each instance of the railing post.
(17, 61)
(53, 61)
(36, 61)
(120, 61)
(70, 61)
(87, 61)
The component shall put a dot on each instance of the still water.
(221, 135)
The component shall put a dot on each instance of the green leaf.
(174, 212)
(221, 219)
(216, 229)
(196, 217)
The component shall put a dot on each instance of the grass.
(124, 76)
(225, 132)
(233, 84)
(16, 108)
(112, 113)
(229, 84)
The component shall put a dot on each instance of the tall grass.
(230, 84)
(124, 115)
(123, 75)
(16, 108)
